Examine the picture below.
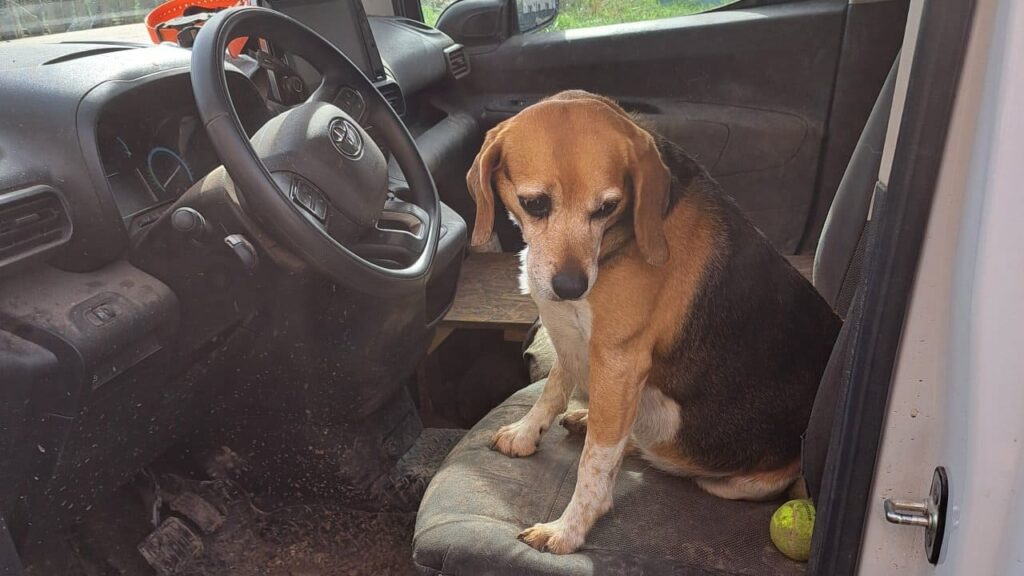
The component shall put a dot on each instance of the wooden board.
(804, 264)
(488, 294)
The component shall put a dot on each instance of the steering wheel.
(312, 176)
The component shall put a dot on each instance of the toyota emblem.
(346, 139)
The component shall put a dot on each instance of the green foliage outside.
(587, 13)
(20, 18)
(432, 10)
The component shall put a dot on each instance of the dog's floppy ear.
(650, 180)
(479, 180)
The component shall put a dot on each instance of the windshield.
(74, 19)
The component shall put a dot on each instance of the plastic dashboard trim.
(90, 110)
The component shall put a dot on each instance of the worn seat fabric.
(660, 524)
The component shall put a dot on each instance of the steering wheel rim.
(260, 192)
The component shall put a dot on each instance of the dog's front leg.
(615, 385)
(522, 437)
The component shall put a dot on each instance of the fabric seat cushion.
(840, 254)
(480, 500)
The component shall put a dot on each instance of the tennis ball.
(791, 529)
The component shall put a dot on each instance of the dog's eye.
(538, 206)
(605, 210)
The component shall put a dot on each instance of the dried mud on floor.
(310, 539)
(314, 540)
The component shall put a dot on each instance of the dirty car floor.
(301, 539)
(171, 520)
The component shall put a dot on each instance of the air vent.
(458, 61)
(392, 92)
(31, 221)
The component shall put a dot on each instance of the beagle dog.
(697, 344)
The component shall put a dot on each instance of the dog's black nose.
(569, 284)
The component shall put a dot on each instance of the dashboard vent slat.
(31, 220)
(392, 92)
(458, 61)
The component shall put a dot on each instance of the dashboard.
(111, 129)
(150, 157)
(153, 147)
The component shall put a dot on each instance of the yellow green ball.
(791, 529)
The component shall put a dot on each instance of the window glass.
(26, 18)
(432, 9)
(569, 14)
(587, 13)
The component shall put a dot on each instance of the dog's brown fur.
(693, 337)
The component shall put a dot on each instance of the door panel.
(872, 36)
(746, 91)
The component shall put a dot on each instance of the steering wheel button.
(303, 195)
(102, 314)
(310, 199)
(319, 207)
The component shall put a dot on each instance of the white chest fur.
(568, 325)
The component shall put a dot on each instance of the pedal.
(202, 513)
(172, 545)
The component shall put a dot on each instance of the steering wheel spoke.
(326, 92)
(398, 236)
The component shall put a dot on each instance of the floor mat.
(402, 489)
(309, 540)
(166, 523)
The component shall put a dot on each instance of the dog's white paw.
(517, 439)
(575, 421)
(552, 537)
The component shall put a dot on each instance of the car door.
(956, 398)
(770, 96)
